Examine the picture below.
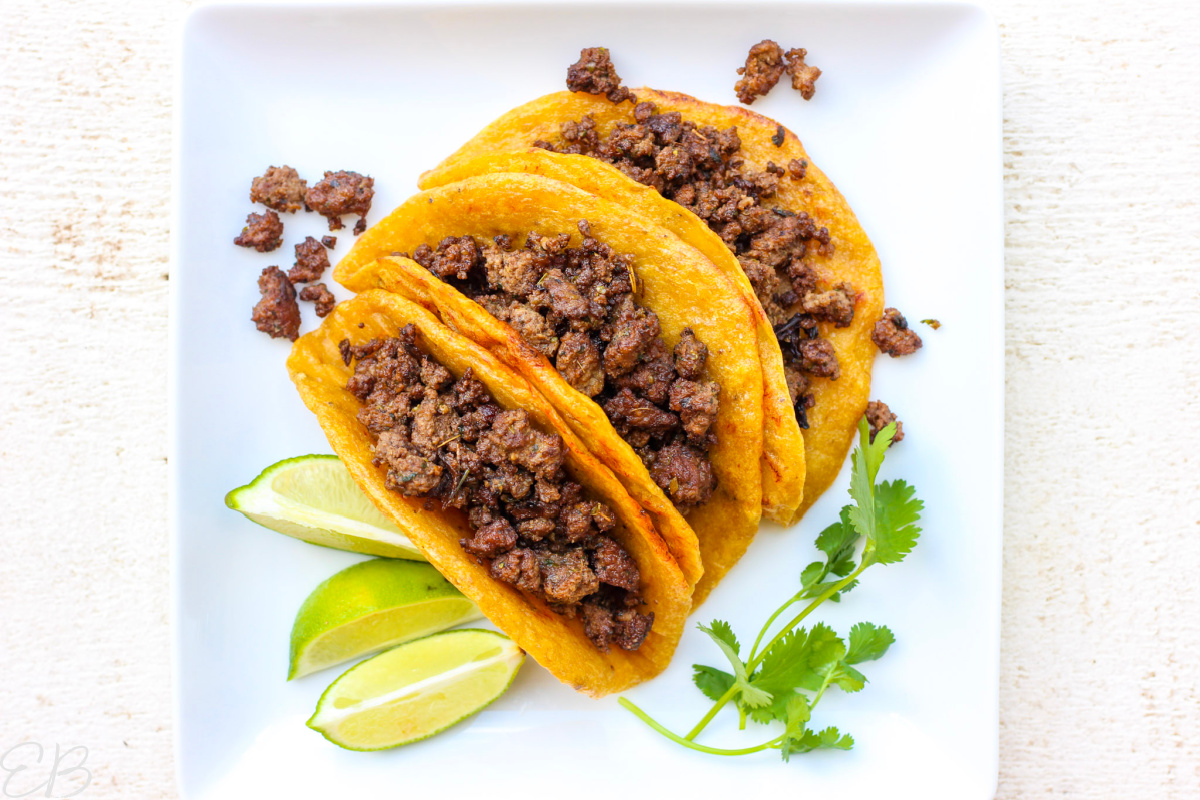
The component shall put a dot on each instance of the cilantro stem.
(790, 601)
(712, 712)
(718, 751)
(796, 620)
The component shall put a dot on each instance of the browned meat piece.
(263, 232)
(532, 327)
(632, 628)
(435, 375)
(817, 357)
(566, 577)
(653, 376)
(893, 336)
(684, 474)
(835, 305)
(515, 272)
(614, 566)
(633, 330)
(565, 299)
(802, 277)
(491, 540)
(279, 188)
(691, 355)
(512, 439)
(407, 472)
(536, 529)
(598, 623)
(322, 299)
(521, 568)
(594, 73)
(578, 362)
(341, 193)
(627, 410)
(797, 382)
(764, 67)
(277, 314)
(360, 226)
(804, 77)
(455, 257)
(577, 522)
(311, 261)
(329, 241)
(697, 404)
(797, 169)
(879, 416)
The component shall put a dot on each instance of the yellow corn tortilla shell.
(783, 446)
(675, 281)
(839, 404)
(557, 643)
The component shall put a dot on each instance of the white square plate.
(906, 121)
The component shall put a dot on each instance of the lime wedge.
(313, 498)
(417, 689)
(370, 607)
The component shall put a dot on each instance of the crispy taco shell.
(783, 446)
(840, 403)
(675, 281)
(556, 642)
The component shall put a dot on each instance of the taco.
(637, 340)
(494, 488)
(809, 266)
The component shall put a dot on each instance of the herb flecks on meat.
(445, 439)
(280, 189)
(263, 232)
(763, 69)
(339, 193)
(781, 251)
(575, 305)
(893, 336)
(594, 73)
(311, 261)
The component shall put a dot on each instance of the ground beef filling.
(445, 439)
(780, 251)
(575, 305)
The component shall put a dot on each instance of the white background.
(1099, 677)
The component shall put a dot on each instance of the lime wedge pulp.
(417, 689)
(372, 606)
(313, 498)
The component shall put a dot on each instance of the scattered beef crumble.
(575, 306)
(263, 232)
(341, 193)
(277, 313)
(804, 77)
(594, 73)
(764, 67)
(279, 188)
(446, 439)
(321, 298)
(893, 336)
(330, 242)
(311, 262)
(360, 226)
(703, 169)
(879, 416)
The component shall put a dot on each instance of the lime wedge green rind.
(313, 498)
(416, 690)
(372, 606)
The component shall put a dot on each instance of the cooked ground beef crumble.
(893, 336)
(763, 69)
(311, 261)
(277, 313)
(339, 193)
(804, 77)
(263, 232)
(702, 169)
(319, 295)
(446, 439)
(594, 73)
(879, 416)
(575, 306)
(279, 188)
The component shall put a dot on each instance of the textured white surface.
(1099, 680)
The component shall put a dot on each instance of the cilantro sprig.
(784, 680)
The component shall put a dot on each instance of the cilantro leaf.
(897, 511)
(797, 713)
(811, 576)
(774, 711)
(846, 677)
(800, 660)
(837, 542)
(712, 681)
(722, 634)
(828, 739)
(868, 642)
